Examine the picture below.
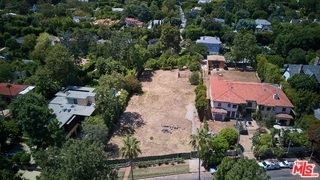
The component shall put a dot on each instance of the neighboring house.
(132, 22)
(20, 40)
(311, 70)
(78, 18)
(154, 22)
(212, 43)
(153, 42)
(228, 97)
(215, 61)
(83, 0)
(196, 9)
(106, 22)
(117, 9)
(296, 21)
(71, 106)
(204, 1)
(15, 89)
(262, 25)
(219, 20)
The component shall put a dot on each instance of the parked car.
(213, 170)
(285, 164)
(269, 164)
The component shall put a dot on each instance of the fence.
(154, 159)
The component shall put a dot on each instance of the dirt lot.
(217, 126)
(236, 75)
(162, 104)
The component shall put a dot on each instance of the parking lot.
(286, 173)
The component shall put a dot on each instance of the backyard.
(157, 116)
(236, 75)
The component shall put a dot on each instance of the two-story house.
(227, 97)
(212, 43)
(71, 106)
(263, 25)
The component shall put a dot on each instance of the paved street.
(189, 176)
(284, 174)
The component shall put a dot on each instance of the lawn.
(142, 173)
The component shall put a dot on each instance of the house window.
(262, 108)
(268, 108)
(229, 105)
(283, 109)
(234, 106)
(249, 104)
(219, 104)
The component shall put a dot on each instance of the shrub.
(25, 158)
(194, 78)
(160, 163)
(172, 163)
(166, 162)
(180, 160)
(16, 158)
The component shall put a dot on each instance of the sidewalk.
(194, 166)
(127, 173)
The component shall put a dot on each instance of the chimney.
(275, 96)
(300, 69)
(281, 86)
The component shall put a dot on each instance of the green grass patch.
(159, 171)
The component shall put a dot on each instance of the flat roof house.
(212, 43)
(71, 106)
(227, 96)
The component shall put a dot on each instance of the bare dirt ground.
(217, 126)
(236, 75)
(162, 104)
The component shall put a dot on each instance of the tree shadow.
(112, 149)
(146, 76)
(129, 121)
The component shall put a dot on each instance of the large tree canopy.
(76, 159)
(243, 168)
(303, 81)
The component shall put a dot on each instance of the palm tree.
(9, 87)
(130, 150)
(202, 142)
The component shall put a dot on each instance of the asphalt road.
(284, 174)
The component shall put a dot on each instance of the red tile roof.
(240, 92)
(13, 91)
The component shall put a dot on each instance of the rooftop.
(216, 58)
(262, 22)
(240, 92)
(14, 90)
(209, 39)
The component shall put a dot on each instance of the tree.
(40, 50)
(76, 159)
(245, 47)
(276, 60)
(243, 168)
(170, 38)
(95, 129)
(202, 142)
(296, 56)
(313, 137)
(246, 24)
(28, 43)
(303, 81)
(224, 167)
(194, 78)
(12, 44)
(221, 145)
(231, 135)
(62, 68)
(5, 73)
(130, 150)
(34, 116)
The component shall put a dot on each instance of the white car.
(286, 164)
(269, 165)
(213, 170)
